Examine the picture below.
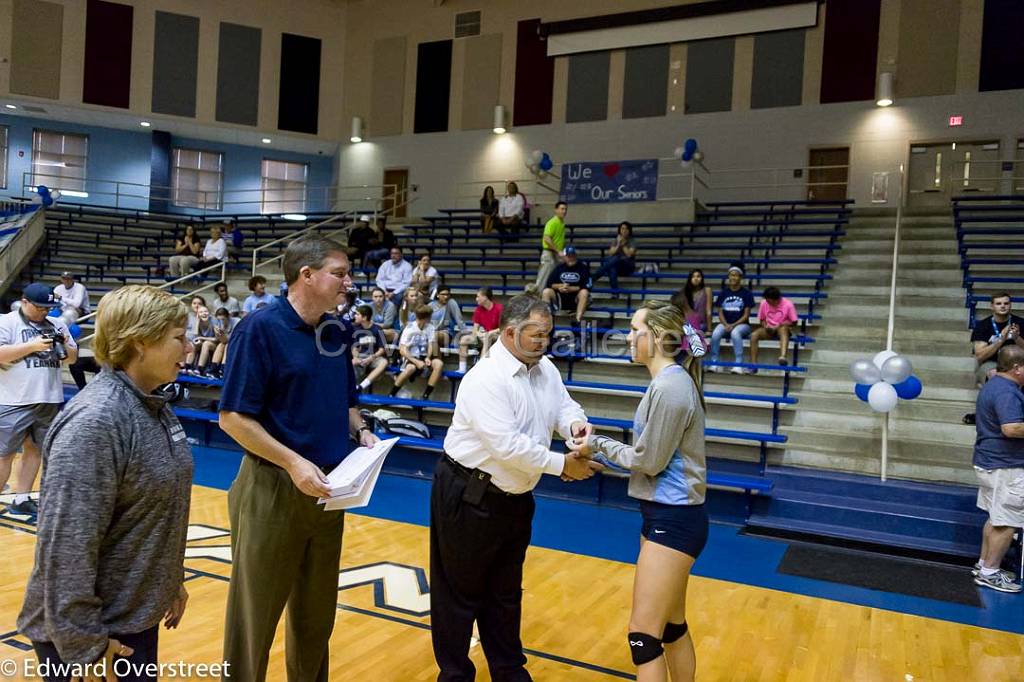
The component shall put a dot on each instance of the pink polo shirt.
(774, 316)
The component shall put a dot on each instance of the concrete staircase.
(831, 428)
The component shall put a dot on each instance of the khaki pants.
(547, 266)
(285, 550)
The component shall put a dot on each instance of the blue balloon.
(75, 330)
(862, 391)
(909, 388)
(690, 145)
(55, 312)
(546, 163)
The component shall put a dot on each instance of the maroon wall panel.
(108, 54)
(851, 50)
(535, 77)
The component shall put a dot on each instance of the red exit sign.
(956, 121)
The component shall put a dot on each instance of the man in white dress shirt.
(394, 276)
(481, 506)
(74, 299)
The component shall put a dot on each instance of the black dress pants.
(476, 573)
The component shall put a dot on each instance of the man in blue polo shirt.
(999, 465)
(289, 391)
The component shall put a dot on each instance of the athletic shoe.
(715, 369)
(997, 581)
(977, 570)
(27, 508)
(737, 370)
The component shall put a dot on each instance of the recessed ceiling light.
(266, 140)
(10, 106)
(145, 124)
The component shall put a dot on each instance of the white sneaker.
(997, 581)
(715, 369)
(737, 370)
(977, 571)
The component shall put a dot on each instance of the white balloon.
(897, 369)
(36, 199)
(55, 194)
(882, 397)
(536, 156)
(678, 152)
(882, 356)
(698, 155)
(863, 371)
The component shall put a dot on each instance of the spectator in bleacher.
(203, 337)
(1002, 327)
(380, 245)
(369, 348)
(734, 304)
(511, 210)
(419, 351)
(447, 317)
(668, 474)
(73, 297)
(571, 283)
(694, 299)
(486, 321)
(394, 275)
(109, 562)
(195, 301)
(215, 251)
(259, 296)
(621, 259)
(347, 309)
(225, 300)
(552, 244)
(424, 276)
(187, 250)
(359, 237)
(224, 325)
(411, 302)
(385, 313)
(31, 391)
(999, 466)
(488, 210)
(776, 317)
(234, 239)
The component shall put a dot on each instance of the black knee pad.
(644, 648)
(674, 632)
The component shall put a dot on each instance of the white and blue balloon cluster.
(45, 197)
(688, 153)
(884, 379)
(539, 162)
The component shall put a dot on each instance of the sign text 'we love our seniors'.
(599, 182)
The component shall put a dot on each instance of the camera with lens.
(58, 339)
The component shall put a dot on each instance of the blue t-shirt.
(295, 380)
(254, 302)
(732, 303)
(1000, 401)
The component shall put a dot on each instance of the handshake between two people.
(578, 463)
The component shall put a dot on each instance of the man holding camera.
(32, 348)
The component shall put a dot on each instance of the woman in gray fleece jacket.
(668, 476)
(113, 512)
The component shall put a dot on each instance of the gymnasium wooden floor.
(742, 633)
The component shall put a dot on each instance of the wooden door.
(396, 191)
(829, 171)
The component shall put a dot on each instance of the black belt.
(466, 472)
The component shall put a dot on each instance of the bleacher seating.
(990, 238)
(791, 245)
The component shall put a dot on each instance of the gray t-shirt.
(35, 378)
(666, 459)
(232, 306)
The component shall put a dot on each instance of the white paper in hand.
(352, 482)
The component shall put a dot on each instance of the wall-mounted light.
(499, 119)
(265, 140)
(10, 106)
(357, 129)
(885, 96)
(145, 124)
(293, 216)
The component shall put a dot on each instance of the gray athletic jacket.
(667, 455)
(113, 519)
